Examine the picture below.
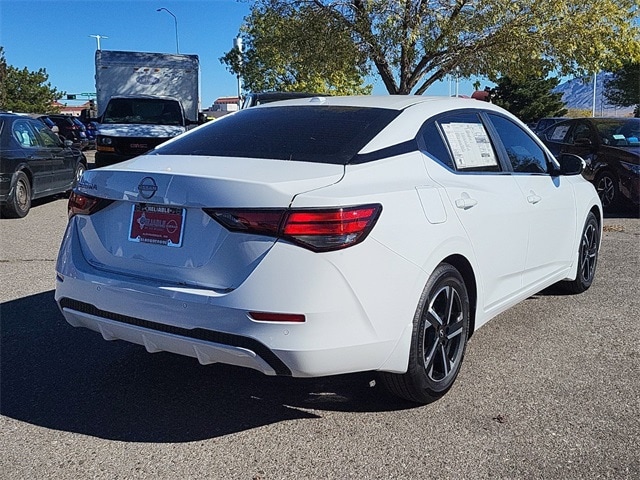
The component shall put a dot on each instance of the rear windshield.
(322, 134)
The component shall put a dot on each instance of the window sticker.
(470, 145)
(559, 133)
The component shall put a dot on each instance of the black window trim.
(505, 169)
(501, 152)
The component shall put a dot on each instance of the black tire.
(608, 190)
(587, 257)
(439, 339)
(20, 201)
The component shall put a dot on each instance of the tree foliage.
(413, 43)
(297, 49)
(24, 91)
(623, 89)
(529, 99)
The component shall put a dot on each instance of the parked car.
(92, 132)
(611, 149)
(329, 235)
(34, 163)
(70, 128)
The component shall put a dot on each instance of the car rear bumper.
(341, 333)
(630, 187)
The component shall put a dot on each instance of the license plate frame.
(157, 224)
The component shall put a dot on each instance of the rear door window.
(24, 134)
(461, 142)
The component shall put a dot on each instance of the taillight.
(320, 230)
(80, 204)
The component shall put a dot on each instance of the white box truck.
(143, 99)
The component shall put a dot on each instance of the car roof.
(415, 110)
(393, 102)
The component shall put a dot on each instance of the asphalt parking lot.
(548, 390)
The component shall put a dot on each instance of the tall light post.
(98, 37)
(237, 43)
(175, 21)
(595, 81)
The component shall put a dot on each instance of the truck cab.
(131, 126)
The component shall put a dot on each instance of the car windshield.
(620, 133)
(322, 134)
(154, 111)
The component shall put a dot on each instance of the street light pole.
(595, 81)
(98, 37)
(175, 21)
(237, 43)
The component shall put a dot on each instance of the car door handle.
(466, 202)
(533, 198)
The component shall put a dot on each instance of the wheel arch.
(466, 270)
(22, 169)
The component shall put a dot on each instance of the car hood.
(625, 154)
(198, 181)
(139, 130)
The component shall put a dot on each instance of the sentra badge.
(147, 187)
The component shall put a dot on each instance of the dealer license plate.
(157, 224)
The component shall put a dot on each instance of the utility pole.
(98, 37)
(237, 43)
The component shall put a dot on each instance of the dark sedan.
(69, 128)
(611, 149)
(34, 163)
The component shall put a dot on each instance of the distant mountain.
(578, 94)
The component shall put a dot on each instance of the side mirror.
(571, 164)
(68, 143)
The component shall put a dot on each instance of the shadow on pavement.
(623, 211)
(60, 377)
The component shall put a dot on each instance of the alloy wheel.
(606, 190)
(588, 252)
(443, 339)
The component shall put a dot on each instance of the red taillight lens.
(264, 222)
(329, 222)
(80, 204)
(277, 317)
(320, 230)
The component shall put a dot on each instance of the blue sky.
(55, 35)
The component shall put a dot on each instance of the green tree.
(291, 49)
(411, 44)
(529, 99)
(623, 89)
(25, 91)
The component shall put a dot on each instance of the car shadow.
(70, 379)
(623, 211)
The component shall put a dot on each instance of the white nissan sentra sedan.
(324, 236)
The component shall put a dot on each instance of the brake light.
(320, 230)
(80, 204)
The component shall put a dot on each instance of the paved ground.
(549, 390)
